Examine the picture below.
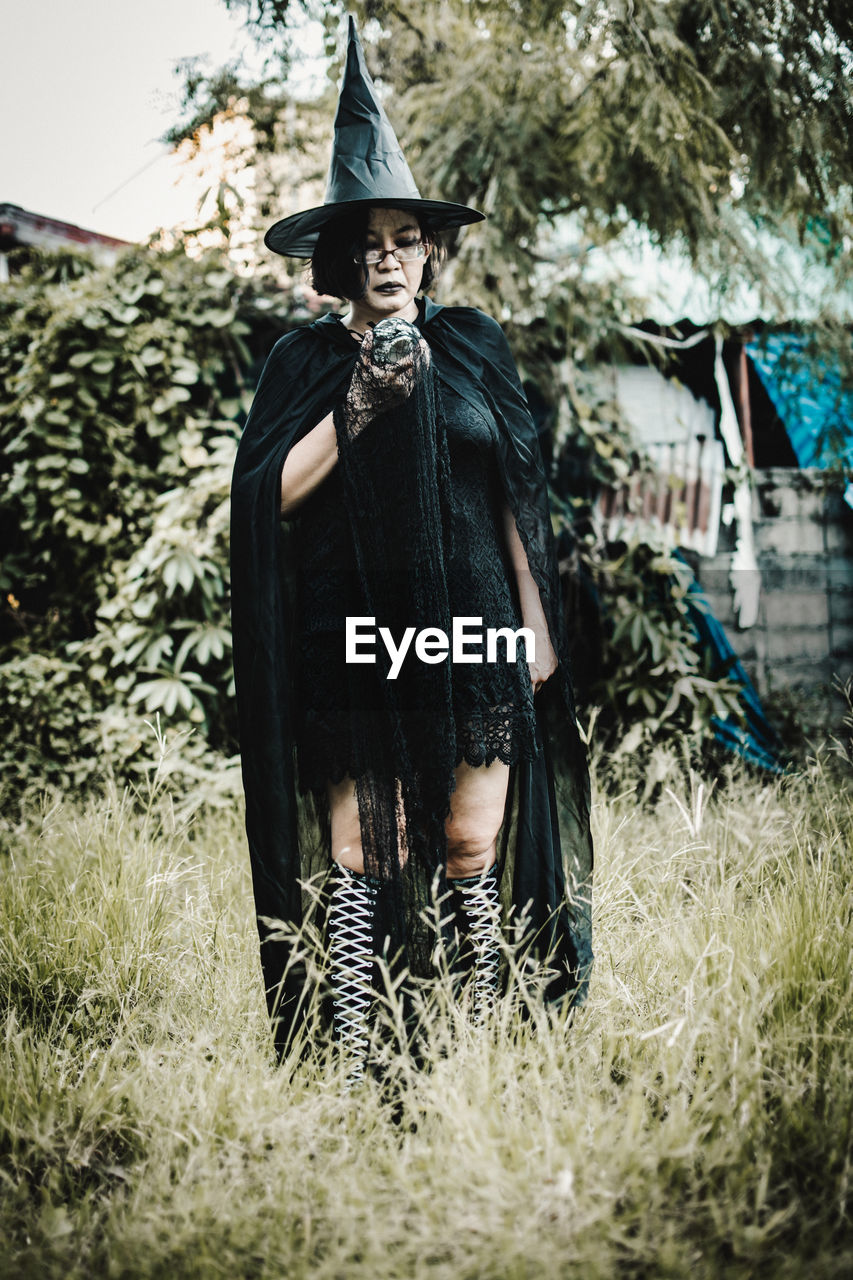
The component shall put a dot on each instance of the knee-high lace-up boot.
(352, 911)
(477, 907)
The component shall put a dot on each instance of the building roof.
(20, 227)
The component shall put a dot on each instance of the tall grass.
(694, 1119)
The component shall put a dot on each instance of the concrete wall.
(804, 545)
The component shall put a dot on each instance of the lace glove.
(391, 357)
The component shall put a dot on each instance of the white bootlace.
(351, 913)
(481, 905)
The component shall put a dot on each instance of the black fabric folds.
(546, 848)
(395, 474)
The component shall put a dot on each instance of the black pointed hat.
(368, 168)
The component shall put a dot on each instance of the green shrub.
(46, 718)
(121, 395)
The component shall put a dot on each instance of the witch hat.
(368, 168)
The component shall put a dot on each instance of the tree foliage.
(690, 118)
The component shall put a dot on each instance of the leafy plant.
(162, 637)
(655, 681)
(46, 715)
(101, 375)
(122, 394)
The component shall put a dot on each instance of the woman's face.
(391, 285)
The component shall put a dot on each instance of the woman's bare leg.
(346, 829)
(476, 814)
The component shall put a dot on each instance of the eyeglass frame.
(362, 259)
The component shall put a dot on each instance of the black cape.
(546, 847)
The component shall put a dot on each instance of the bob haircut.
(333, 271)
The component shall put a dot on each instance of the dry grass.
(695, 1120)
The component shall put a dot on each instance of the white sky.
(86, 89)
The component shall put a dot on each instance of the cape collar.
(430, 310)
(331, 328)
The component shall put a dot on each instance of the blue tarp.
(808, 395)
(754, 739)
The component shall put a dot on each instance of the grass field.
(695, 1120)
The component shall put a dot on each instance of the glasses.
(405, 253)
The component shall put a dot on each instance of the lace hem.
(506, 734)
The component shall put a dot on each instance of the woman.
(396, 441)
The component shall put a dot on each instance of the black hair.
(333, 271)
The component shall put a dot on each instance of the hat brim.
(296, 236)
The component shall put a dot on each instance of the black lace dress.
(493, 708)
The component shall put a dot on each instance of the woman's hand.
(379, 381)
(545, 663)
